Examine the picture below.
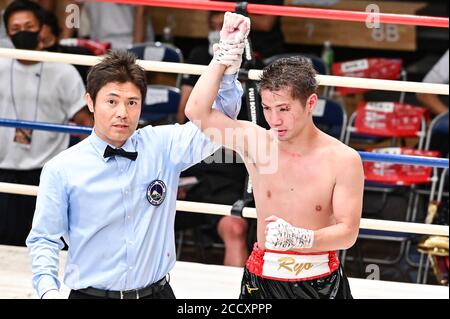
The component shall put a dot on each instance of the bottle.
(167, 35)
(328, 56)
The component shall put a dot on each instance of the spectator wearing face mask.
(33, 91)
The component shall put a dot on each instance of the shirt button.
(131, 267)
(129, 216)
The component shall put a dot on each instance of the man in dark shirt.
(50, 35)
(266, 35)
(219, 183)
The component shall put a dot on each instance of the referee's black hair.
(116, 66)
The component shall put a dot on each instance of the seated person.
(219, 183)
(437, 104)
(438, 74)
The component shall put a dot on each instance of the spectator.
(33, 91)
(121, 25)
(57, 8)
(50, 35)
(220, 183)
(48, 5)
(438, 74)
(437, 104)
(266, 35)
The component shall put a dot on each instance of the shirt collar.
(100, 145)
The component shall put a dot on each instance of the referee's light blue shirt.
(117, 215)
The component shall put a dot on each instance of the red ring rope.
(299, 12)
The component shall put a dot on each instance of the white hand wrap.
(280, 235)
(230, 49)
(229, 55)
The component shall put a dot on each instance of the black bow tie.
(109, 151)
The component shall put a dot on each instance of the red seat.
(389, 119)
(373, 68)
(397, 174)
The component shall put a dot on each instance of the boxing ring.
(222, 282)
(218, 282)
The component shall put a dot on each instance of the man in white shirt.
(120, 24)
(112, 197)
(438, 74)
(33, 91)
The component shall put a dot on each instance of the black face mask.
(25, 40)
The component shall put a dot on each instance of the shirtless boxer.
(308, 186)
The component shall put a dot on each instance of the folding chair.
(158, 51)
(437, 140)
(388, 120)
(161, 104)
(436, 248)
(393, 121)
(438, 128)
(375, 68)
(331, 118)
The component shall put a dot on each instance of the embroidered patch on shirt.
(156, 192)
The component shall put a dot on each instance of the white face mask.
(213, 37)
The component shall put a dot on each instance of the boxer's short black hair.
(296, 73)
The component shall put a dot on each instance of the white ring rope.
(216, 209)
(170, 67)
